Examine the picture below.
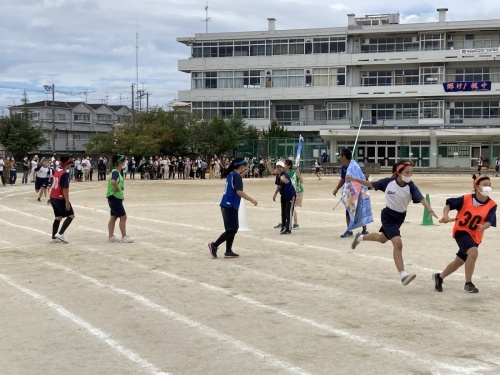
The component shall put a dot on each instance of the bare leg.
(111, 225)
(470, 263)
(123, 228)
(452, 267)
(397, 253)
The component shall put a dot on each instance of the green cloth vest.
(110, 190)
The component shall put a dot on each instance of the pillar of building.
(433, 149)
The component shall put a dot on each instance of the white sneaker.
(113, 239)
(61, 238)
(408, 279)
(127, 239)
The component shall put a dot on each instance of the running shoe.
(213, 249)
(231, 255)
(356, 240)
(348, 233)
(408, 279)
(438, 282)
(471, 288)
(60, 237)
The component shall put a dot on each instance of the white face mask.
(406, 179)
(486, 191)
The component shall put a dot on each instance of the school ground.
(303, 303)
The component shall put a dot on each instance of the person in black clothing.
(287, 191)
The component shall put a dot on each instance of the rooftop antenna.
(207, 18)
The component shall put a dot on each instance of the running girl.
(59, 199)
(230, 203)
(476, 213)
(43, 172)
(399, 192)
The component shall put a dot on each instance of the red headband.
(479, 179)
(401, 167)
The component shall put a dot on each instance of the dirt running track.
(298, 304)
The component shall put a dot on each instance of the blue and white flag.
(356, 198)
(299, 150)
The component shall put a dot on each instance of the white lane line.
(428, 362)
(187, 321)
(103, 336)
(243, 234)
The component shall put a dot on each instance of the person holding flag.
(345, 159)
(399, 192)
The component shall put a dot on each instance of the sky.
(87, 48)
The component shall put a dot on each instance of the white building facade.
(427, 92)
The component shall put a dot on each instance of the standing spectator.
(2, 166)
(324, 157)
(59, 199)
(86, 168)
(101, 170)
(26, 170)
(13, 171)
(72, 169)
(230, 203)
(125, 168)
(187, 168)
(33, 165)
(115, 196)
(180, 168)
(262, 166)
(78, 167)
(497, 166)
(204, 166)
(297, 181)
(217, 169)
(132, 168)
(479, 164)
(92, 167)
(212, 167)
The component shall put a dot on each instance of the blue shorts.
(230, 218)
(59, 207)
(391, 222)
(116, 206)
(464, 242)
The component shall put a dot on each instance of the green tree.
(277, 131)
(18, 135)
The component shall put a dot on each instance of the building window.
(287, 114)
(432, 75)
(391, 44)
(338, 110)
(406, 111)
(246, 109)
(81, 117)
(60, 117)
(431, 109)
(104, 118)
(431, 42)
(210, 80)
(476, 110)
(376, 78)
(328, 76)
(469, 74)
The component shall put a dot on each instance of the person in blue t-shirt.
(399, 192)
(288, 194)
(230, 203)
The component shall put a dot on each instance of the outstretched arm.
(360, 181)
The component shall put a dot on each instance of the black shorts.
(497, 168)
(464, 242)
(116, 206)
(41, 183)
(230, 218)
(317, 170)
(391, 222)
(59, 207)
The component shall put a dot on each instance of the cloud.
(339, 7)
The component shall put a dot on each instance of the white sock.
(403, 274)
(360, 238)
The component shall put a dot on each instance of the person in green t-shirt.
(115, 195)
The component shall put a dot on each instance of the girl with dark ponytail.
(230, 203)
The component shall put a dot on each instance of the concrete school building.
(428, 92)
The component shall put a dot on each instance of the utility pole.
(133, 110)
(52, 88)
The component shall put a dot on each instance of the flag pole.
(357, 135)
